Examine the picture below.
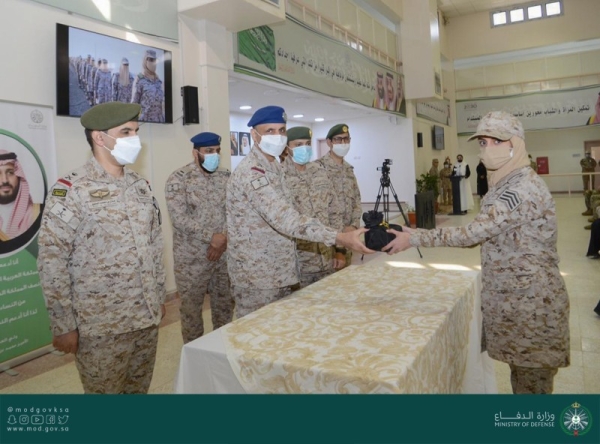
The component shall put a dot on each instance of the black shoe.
(464, 212)
(597, 309)
(593, 256)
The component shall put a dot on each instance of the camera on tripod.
(385, 168)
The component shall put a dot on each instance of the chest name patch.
(260, 182)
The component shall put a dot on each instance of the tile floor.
(57, 374)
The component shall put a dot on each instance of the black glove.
(377, 237)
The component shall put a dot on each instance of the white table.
(367, 329)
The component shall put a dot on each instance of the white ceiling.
(455, 8)
(244, 90)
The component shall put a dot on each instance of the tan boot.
(591, 219)
(587, 213)
(588, 227)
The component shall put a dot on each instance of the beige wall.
(472, 35)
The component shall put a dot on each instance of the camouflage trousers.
(447, 195)
(117, 364)
(310, 278)
(586, 180)
(526, 380)
(248, 300)
(592, 199)
(194, 279)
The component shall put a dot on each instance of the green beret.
(299, 132)
(341, 128)
(110, 115)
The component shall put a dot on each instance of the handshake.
(377, 237)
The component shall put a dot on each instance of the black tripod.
(384, 191)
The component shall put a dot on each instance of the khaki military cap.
(110, 115)
(499, 125)
(341, 128)
(299, 132)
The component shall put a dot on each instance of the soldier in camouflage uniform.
(525, 303)
(122, 83)
(148, 90)
(100, 259)
(262, 223)
(89, 82)
(344, 182)
(196, 202)
(446, 183)
(588, 165)
(312, 196)
(102, 84)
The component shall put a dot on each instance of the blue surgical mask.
(302, 154)
(211, 162)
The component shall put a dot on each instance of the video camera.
(377, 237)
(385, 168)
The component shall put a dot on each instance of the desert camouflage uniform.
(121, 93)
(196, 204)
(346, 189)
(592, 200)
(262, 259)
(446, 183)
(588, 165)
(313, 196)
(525, 303)
(91, 73)
(150, 95)
(101, 270)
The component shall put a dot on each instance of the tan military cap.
(499, 125)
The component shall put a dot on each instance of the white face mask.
(273, 144)
(126, 149)
(341, 149)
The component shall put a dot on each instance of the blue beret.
(268, 114)
(206, 139)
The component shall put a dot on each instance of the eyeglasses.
(341, 139)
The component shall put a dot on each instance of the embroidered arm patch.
(511, 199)
(260, 182)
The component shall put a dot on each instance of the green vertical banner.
(27, 167)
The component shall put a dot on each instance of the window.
(553, 8)
(499, 18)
(517, 15)
(526, 12)
(534, 12)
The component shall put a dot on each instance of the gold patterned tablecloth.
(366, 329)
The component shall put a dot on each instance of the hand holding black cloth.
(377, 237)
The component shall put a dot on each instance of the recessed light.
(245, 107)
(319, 119)
(297, 116)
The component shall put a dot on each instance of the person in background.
(148, 90)
(196, 202)
(533, 164)
(595, 118)
(17, 210)
(482, 182)
(122, 83)
(379, 100)
(524, 300)
(390, 95)
(462, 170)
(446, 183)
(102, 83)
(312, 196)
(100, 258)
(588, 165)
(343, 181)
(262, 223)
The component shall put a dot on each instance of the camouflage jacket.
(196, 204)
(150, 95)
(525, 303)
(588, 165)
(346, 188)
(313, 196)
(101, 253)
(262, 224)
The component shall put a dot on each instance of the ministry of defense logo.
(576, 420)
(36, 116)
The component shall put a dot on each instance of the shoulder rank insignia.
(511, 199)
(260, 182)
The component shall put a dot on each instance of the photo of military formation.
(104, 69)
